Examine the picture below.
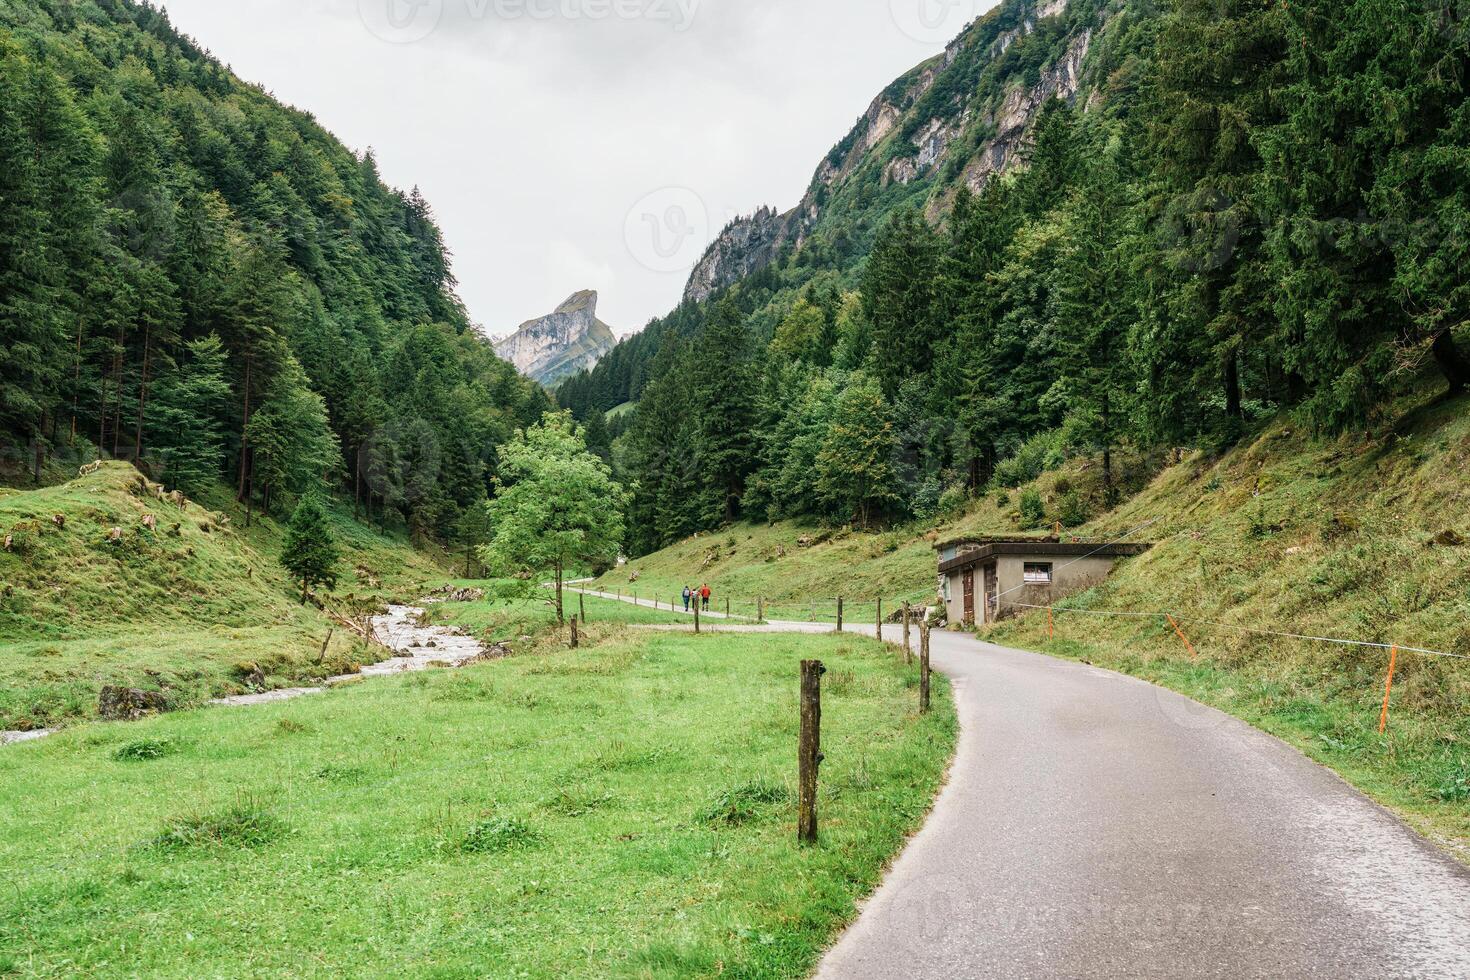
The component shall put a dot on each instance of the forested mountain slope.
(196, 276)
(952, 121)
(1089, 226)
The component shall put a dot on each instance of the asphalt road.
(1097, 826)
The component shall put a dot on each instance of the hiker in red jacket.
(704, 594)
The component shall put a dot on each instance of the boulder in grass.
(129, 703)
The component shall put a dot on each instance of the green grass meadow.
(626, 810)
(502, 618)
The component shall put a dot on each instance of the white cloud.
(535, 137)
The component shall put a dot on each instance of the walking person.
(705, 594)
(688, 594)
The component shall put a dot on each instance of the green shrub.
(1456, 787)
(1072, 510)
(1033, 509)
(954, 501)
(145, 750)
(495, 835)
(244, 825)
(1037, 455)
(744, 803)
(925, 503)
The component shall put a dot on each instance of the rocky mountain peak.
(570, 339)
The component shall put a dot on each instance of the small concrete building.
(984, 580)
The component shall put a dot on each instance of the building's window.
(1038, 574)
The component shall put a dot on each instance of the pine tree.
(310, 551)
(187, 427)
(1094, 309)
(722, 393)
(1217, 68)
(898, 298)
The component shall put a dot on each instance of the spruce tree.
(898, 299)
(186, 425)
(722, 394)
(310, 552)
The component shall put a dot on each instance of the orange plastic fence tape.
(1193, 653)
(1051, 625)
(1393, 662)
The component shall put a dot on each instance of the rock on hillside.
(958, 118)
(555, 346)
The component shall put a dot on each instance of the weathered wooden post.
(582, 606)
(696, 617)
(760, 609)
(727, 607)
(809, 749)
(839, 614)
(880, 619)
(908, 643)
(575, 638)
(924, 668)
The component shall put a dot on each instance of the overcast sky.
(581, 144)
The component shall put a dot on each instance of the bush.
(244, 825)
(744, 803)
(952, 502)
(498, 834)
(926, 501)
(1033, 509)
(1072, 510)
(145, 750)
(1456, 787)
(1042, 452)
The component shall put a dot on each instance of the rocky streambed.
(401, 631)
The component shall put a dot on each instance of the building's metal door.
(992, 593)
(970, 596)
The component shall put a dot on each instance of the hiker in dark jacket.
(688, 594)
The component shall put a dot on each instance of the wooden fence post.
(839, 614)
(727, 607)
(696, 616)
(582, 605)
(809, 749)
(575, 638)
(924, 668)
(760, 609)
(880, 619)
(908, 644)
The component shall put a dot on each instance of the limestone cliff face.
(551, 348)
(907, 136)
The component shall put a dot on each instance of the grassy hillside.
(1356, 537)
(623, 811)
(188, 607)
